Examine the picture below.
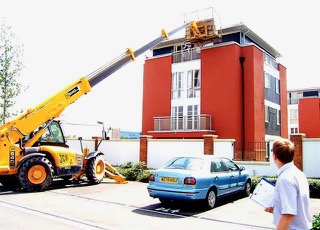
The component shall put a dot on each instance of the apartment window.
(177, 117)
(193, 83)
(295, 96)
(267, 113)
(278, 117)
(294, 130)
(277, 86)
(267, 79)
(177, 85)
(193, 117)
(311, 94)
(270, 61)
(294, 116)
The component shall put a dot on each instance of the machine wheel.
(247, 189)
(35, 174)
(211, 199)
(95, 169)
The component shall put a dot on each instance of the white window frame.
(177, 85)
(277, 86)
(266, 114)
(278, 117)
(267, 80)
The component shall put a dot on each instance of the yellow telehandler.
(33, 149)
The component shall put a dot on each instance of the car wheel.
(211, 199)
(247, 189)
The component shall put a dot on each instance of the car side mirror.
(241, 168)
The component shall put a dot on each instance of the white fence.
(160, 151)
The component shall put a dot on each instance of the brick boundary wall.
(208, 144)
(143, 157)
(298, 154)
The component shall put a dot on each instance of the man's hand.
(269, 209)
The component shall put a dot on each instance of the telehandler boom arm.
(52, 107)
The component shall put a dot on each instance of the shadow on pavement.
(179, 209)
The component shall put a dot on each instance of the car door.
(234, 174)
(221, 176)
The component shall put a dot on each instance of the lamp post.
(104, 134)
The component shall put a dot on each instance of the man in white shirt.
(292, 198)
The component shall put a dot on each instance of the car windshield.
(189, 163)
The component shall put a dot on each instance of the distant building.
(303, 111)
(129, 135)
(233, 88)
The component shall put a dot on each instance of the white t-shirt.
(292, 197)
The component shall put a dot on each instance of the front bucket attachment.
(112, 173)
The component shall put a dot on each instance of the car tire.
(211, 199)
(247, 189)
(165, 202)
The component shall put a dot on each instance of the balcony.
(186, 55)
(183, 123)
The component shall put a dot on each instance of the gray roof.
(306, 89)
(231, 30)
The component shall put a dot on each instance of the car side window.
(217, 166)
(230, 165)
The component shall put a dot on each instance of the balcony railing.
(183, 123)
(186, 55)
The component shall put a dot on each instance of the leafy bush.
(314, 185)
(134, 171)
(316, 222)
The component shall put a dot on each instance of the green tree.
(11, 52)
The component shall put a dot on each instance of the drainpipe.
(242, 59)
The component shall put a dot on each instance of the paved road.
(123, 206)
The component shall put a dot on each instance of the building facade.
(303, 111)
(233, 88)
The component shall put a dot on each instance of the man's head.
(283, 150)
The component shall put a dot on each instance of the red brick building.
(309, 117)
(234, 88)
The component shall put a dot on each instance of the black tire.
(211, 199)
(165, 202)
(95, 169)
(247, 189)
(35, 174)
(10, 182)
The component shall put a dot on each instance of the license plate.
(169, 179)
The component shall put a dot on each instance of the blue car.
(204, 178)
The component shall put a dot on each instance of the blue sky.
(65, 40)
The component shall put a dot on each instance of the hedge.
(314, 185)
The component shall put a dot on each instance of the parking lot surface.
(123, 206)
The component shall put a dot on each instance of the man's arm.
(284, 222)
